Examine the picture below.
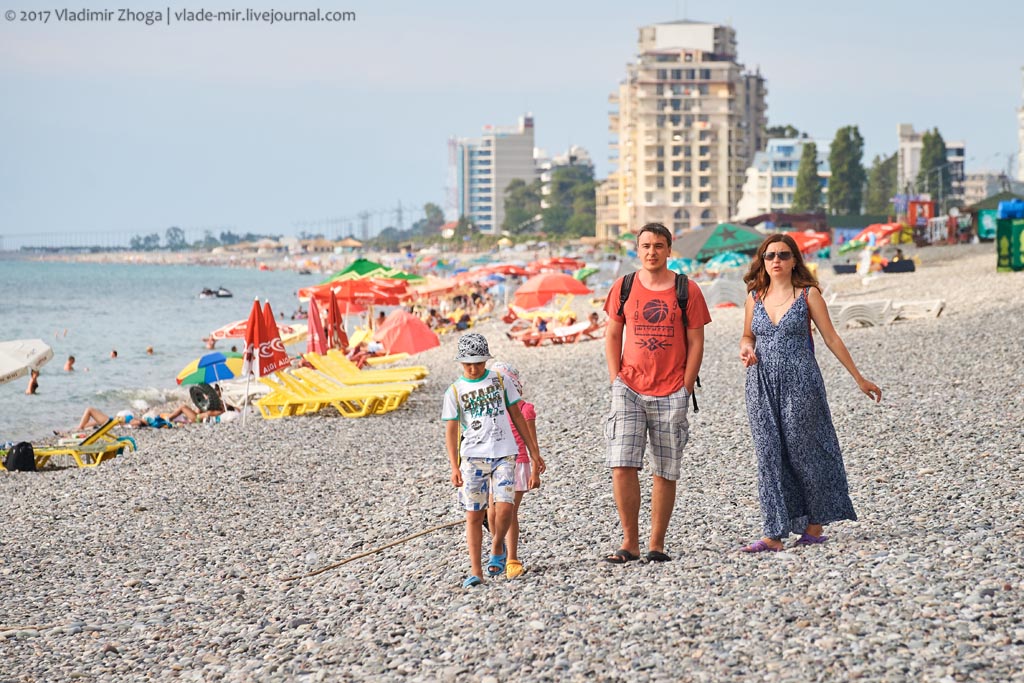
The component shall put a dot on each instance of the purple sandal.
(807, 539)
(759, 546)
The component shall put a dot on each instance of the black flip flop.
(657, 556)
(621, 556)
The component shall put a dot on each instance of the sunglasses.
(781, 255)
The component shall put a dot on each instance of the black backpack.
(21, 457)
(682, 297)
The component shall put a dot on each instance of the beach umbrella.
(852, 245)
(20, 356)
(540, 289)
(211, 367)
(729, 260)
(684, 266)
(880, 231)
(808, 241)
(337, 338)
(583, 273)
(237, 329)
(317, 340)
(361, 267)
(264, 352)
(704, 243)
(403, 332)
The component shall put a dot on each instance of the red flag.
(317, 341)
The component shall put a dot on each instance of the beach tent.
(540, 289)
(19, 357)
(403, 332)
(705, 243)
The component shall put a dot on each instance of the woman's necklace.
(783, 302)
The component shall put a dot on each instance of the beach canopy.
(211, 367)
(705, 243)
(729, 260)
(540, 289)
(20, 356)
(403, 332)
(362, 292)
(362, 268)
(808, 240)
(684, 266)
(290, 334)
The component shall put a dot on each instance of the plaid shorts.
(483, 476)
(634, 416)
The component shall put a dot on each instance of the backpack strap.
(627, 286)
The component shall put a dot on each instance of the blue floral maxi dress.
(800, 474)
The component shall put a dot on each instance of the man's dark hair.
(657, 229)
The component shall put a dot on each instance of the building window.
(705, 197)
(677, 74)
(705, 150)
(677, 150)
(677, 197)
(677, 166)
(677, 181)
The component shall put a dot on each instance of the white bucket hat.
(473, 349)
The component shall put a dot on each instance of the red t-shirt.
(654, 342)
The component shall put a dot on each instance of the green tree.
(786, 131)
(881, 185)
(522, 205)
(808, 185)
(934, 176)
(463, 228)
(572, 193)
(434, 217)
(175, 238)
(846, 186)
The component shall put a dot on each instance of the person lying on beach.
(193, 415)
(94, 417)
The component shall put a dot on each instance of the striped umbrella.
(212, 367)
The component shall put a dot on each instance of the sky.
(117, 128)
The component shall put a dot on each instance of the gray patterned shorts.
(634, 416)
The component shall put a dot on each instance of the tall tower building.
(687, 122)
(485, 167)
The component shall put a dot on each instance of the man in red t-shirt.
(652, 364)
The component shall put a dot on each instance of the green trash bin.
(1010, 244)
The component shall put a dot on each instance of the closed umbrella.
(317, 341)
(19, 356)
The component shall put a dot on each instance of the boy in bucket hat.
(480, 404)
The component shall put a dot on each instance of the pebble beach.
(178, 562)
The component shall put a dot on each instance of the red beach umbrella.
(540, 289)
(403, 332)
(317, 341)
(337, 338)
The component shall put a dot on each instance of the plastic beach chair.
(100, 445)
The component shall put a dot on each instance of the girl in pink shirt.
(525, 479)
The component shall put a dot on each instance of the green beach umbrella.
(729, 260)
(684, 266)
(704, 243)
(583, 273)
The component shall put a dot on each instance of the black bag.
(21, 457)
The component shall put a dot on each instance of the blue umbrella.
(685, 266)
(728, 260)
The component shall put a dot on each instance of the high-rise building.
(687, 122)
(908, 164)
(574, 156)
(771, 179)
(485, 167)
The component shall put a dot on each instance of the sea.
(86, 310)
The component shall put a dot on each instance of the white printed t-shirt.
(483, 411)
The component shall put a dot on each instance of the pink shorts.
(522, 476)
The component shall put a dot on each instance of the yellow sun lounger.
(291, 395)
(100, 445)
(342, 371)
(391, 396)
(406, 372)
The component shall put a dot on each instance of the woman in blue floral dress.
(801, 480)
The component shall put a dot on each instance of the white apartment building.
(574, 156)
(771, 179)
(686, 124)
(908, 164)
(486, 165)
(979, 186)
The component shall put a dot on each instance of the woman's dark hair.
(657, 229)
(757, 277)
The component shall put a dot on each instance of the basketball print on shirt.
(657, 327)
